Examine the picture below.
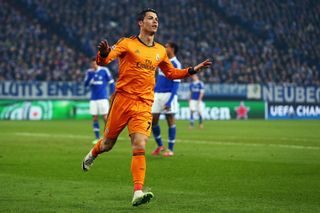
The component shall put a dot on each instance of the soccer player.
(139, 56)
(97, 78)
(195, 103)
(166, 101)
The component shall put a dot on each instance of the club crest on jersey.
(157, 57)
(137, 51)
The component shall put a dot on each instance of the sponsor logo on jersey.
(147, 65)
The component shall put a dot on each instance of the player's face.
(94, 65)
(149, 23)
(169, 50)
(194, 77)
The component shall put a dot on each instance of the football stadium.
(182, 105)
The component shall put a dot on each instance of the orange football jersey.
(137, 66)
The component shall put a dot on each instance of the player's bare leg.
(138, 169)
(103, 145)
(157, 134)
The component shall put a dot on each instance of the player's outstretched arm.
(198, 67)
(106, 54)
(174, 73)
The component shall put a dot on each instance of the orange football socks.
(96, 149)
(138, 168)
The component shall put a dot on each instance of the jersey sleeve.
(117, 50)
(202, 87)
(108, 76)
(88, 78)
(174, 92)
(110, 80)
(170, 72)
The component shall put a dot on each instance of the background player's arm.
(175, 87)
(201, 92)
(110, 81)
(106, 54)
(174, 91)
(88, 78)
(111, 87)
(190, 92)
(201, 95)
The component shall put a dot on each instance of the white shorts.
(99, 107)
(194, 105)
(160, 100)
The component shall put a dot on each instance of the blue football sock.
(172, 137)
(157, 134)
(96, 129)
(191, 119)
(200, 119)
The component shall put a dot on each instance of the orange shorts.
(136, 113)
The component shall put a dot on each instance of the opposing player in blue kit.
(195, 103)
(98, 78)
(166, 102)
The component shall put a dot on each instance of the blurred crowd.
(295, 23)
(30, 52)
(241, 56)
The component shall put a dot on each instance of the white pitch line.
(228, 143)
(211, 142)
(270, 138)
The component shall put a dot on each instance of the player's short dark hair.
(93, 59)
(174, 46)
(142, 14)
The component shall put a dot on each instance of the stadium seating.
(30, 52)
(248, 44)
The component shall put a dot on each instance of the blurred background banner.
(218, 91)
(291, 94)
(225, 110)
(40, 100)
(292, 111)
(36, 110)
(42, 90)
(68, 109)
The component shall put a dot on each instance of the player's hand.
(203, 64)
(104, 48)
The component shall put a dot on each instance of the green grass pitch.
(229, 166)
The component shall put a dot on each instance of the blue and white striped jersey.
(195, 88)
(98, 81)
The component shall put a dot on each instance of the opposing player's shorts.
(124, 110)
(99, 107)
(160, 100)
(194, 105)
